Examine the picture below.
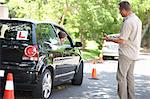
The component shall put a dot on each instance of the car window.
(66, 41)
(45, 32)
(15, 30)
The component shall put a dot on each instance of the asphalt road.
(105, 86)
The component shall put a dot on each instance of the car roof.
(34, 21)
(19, 19)
(30, 20)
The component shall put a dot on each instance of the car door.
(48, 43)
(70, 56)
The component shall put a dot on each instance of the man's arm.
(119, 41)
(115, 40)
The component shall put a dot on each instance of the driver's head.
(62, 35)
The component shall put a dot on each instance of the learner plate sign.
(22, 35)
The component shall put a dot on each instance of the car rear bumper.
(25, 87)
(23, 80)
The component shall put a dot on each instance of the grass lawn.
(88, 54)
(91, 51)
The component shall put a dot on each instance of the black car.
(33, 53)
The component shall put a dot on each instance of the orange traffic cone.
(9, 88)
(94, 76)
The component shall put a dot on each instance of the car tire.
(78, 77)
(44, 86)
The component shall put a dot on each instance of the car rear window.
(16, 30)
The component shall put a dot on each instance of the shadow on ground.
(142, 86)
(101, 88)
(105, 87)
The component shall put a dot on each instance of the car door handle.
(61, 59)
(58, 59)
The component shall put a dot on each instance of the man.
(129, 44)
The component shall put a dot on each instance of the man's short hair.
(125, 5)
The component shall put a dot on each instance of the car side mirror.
(78, 44)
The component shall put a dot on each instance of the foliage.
(84, 19)
(89, 54)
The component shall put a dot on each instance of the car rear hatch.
(18, 52)
(15, 36)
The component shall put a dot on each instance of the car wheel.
(78, 77)
(44, 87)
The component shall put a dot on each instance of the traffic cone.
(9, 88)
(94, 76)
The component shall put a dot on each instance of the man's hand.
(107, 38)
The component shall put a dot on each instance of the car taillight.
(30, 53)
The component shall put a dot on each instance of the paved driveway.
(105, 87)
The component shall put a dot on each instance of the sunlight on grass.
(91, 51)
(89, 54)
(91, 45)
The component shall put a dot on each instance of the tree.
(4, 2)
(84, 19)
(95, 18)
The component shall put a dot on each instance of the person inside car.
(62, 35)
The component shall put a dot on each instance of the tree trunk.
(62, 19)
(145, 29)
(146, 35)
(83, 40)
(148, 43)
